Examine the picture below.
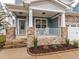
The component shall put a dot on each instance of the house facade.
(51, 21)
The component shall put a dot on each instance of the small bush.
(53, 46)
(75, 44)
(2, 38)
(35, 43)
(67, 42)
(59, 45)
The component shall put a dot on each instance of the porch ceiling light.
(20, 13)
(44, 13)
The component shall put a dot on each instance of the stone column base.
(64, 34)
(10, 33)
(30, 36)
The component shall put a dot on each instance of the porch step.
(22, 42)
(21, 37)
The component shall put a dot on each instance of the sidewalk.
(21, 53)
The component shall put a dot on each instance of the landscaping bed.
(50, 48)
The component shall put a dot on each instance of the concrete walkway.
(21, 53)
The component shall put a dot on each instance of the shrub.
(75, 44)
(35, 43)
(53, 46)
(67, 41)
(2, 40)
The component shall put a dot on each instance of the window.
(73, 25)
(38, 23)
(41, 23)
(67, 25)
(78, 25)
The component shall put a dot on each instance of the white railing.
(48, 31)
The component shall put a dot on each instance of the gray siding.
(76, 8)
(53, 23)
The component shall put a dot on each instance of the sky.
(76, 1)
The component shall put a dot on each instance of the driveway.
(21, 53)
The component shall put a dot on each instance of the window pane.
(43, 22)
(43, 26)
(22, 24)
(73, 25)
(38, 22)
(38, 26)
(67, 25)
(78, 25)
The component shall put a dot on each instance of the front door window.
(22, 27)
(22, 24)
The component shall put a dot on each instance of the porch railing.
(48, 31)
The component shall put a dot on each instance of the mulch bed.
(41, 49)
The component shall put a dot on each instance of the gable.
(48, 5)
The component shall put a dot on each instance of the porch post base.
(10, 33)
(64, 34)
(30, 37)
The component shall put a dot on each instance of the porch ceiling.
(42, 13)
(16, 8)
(20, 13)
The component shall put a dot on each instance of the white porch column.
(63, 20)
(30, 18)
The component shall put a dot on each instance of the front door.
(22, 27)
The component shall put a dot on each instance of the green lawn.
(2, 38)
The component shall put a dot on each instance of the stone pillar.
(30, 36)
(10, 33)
(30, 31)
(64, 34)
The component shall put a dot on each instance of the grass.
(2, 38)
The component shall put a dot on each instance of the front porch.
(45, 23)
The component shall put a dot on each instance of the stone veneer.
(64, 34)
(10, 33)
(46, 40)
(30, 36)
